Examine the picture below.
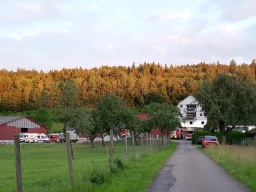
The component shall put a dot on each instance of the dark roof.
(6, 119)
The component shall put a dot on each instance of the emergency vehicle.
(123, 132)
(177, 133)
(33, 138)
(189, 132)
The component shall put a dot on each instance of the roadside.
(189, 169)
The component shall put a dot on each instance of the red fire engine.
(188, 133)
(177, 134)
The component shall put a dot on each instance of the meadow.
(238, 161)
(45, 167)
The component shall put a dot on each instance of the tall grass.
(238, 161)
(45, 167)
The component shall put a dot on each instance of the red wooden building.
(11, 125)
(156, 133)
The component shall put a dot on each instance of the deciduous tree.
(227, 102)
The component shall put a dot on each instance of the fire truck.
(188, 133)
(177, 133)
(123, 132)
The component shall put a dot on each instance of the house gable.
(188, 100)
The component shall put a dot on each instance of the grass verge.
(238, 161)
(138, 174)
(45, 168)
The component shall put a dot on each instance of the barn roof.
(6, 119)
(13, 120)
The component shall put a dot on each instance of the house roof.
(6, 119)
(188, 100)
(143, 116)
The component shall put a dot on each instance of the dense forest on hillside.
(28, 90)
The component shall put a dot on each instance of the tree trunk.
(223, 137)
(102, 140)
(223, 133)
(162, 137)
(92, 143)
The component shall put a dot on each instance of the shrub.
(236, 137)
(119, 163)
(248, 142)
(116, 165)
(97, 175)
(233, 137)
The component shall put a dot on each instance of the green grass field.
(45, 167)
(238, 161)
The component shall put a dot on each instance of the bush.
(97, 175)
(233, 137)
(236, 137)
(116, 165)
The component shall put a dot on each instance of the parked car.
(210, 141)
(73, 137)
(62, 138)
(200, 140)
(54, 137)
(142, 135)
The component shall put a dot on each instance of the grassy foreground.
(45, 168)
(238, 161)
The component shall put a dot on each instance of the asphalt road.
(190, 170)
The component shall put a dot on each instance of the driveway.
(190, 170)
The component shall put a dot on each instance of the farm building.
(11, 125)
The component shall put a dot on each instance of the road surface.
(190, 170)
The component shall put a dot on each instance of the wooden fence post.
(69, 154)
(18, 163)
(125, 152)
(111, 147)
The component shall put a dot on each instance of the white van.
(42, 138)
(33, 138)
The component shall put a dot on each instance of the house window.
(24, 130)
(201, 114)
(180, 105)
(202, 122)
(191, 122)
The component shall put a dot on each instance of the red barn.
(11, 125)
(155, 132)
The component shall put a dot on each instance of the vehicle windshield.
(189, 132)
(210, 138)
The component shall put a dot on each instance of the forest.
(24, 90)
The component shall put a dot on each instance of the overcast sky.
(56, 34)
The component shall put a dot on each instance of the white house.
(192, 113)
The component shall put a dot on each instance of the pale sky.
(55, 34)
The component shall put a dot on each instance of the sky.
(55, 34)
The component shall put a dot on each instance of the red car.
(210, 141)
(54, 137)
